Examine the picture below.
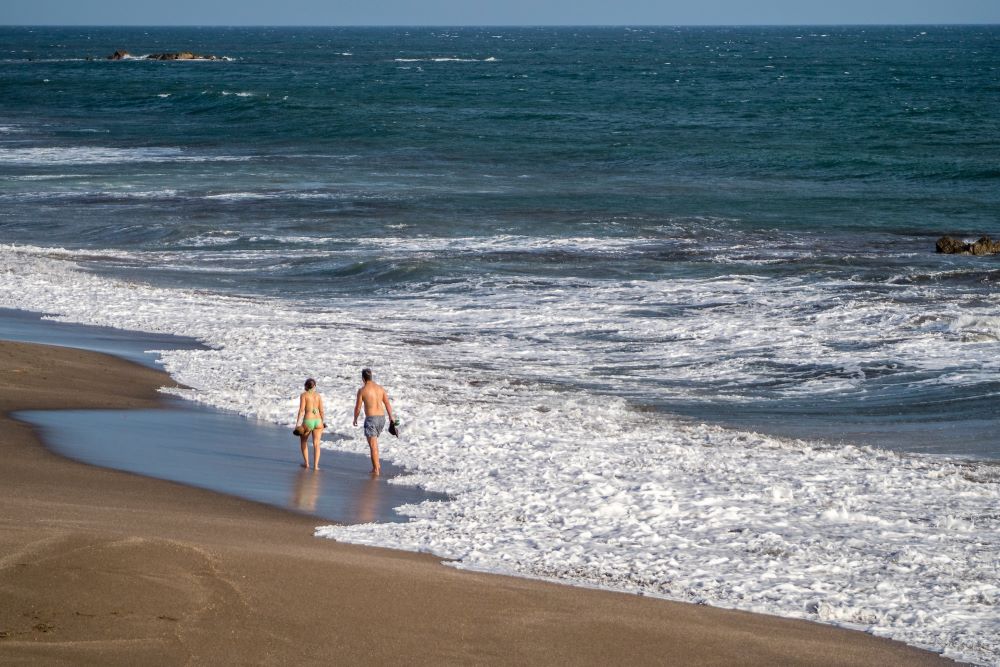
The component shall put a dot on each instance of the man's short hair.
(366, 374)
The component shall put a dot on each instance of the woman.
(310, 420)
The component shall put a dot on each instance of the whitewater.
(580, 486)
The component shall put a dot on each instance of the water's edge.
(204, 447)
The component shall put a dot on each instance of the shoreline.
(252, 452)
(106, 567)
(202, 447)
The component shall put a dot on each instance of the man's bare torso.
(373, 396)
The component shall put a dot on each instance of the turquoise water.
(773, 194)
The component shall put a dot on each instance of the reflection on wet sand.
(306, 490)
(368, 501)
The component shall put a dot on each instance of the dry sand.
(104, 567)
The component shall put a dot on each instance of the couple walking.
(311, 420)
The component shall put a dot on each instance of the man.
(374, 398)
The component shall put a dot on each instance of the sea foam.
(74, 155)
(578, 487)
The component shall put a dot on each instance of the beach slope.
(103, 567)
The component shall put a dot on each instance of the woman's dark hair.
(310, 383)
(366, 374)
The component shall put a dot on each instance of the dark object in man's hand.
(394, 427)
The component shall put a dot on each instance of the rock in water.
(949, 246)
(180, 55)
(984, 246)
(121, 54)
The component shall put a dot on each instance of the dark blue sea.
(730, 225)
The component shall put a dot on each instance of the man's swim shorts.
(374, 426)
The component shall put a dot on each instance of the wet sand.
(225, 452)
(106, 567)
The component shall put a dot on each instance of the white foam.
(446, 59)
(283, 194)
(103, 155)
(580, 488)
(39, 177)
(123, 195)
(228, 237)
(239, 196)
(976, 327)
(502, 243)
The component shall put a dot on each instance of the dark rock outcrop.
(180, 55)
(949, 246)
(984, 246)
(121, 54)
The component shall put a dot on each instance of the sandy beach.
(104, 567)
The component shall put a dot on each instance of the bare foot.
(316, 467)
(304, 465)
(376, 472)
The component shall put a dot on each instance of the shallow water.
(227, 453)
(137, 347)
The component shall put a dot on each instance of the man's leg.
(373, 446)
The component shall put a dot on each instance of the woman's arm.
(302, 409)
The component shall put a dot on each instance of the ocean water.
(659, 307)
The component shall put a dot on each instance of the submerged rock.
(984, 246)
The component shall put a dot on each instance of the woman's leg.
(317, 434)
(304, 443)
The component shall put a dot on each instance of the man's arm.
(357, 408)
(388, 406)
